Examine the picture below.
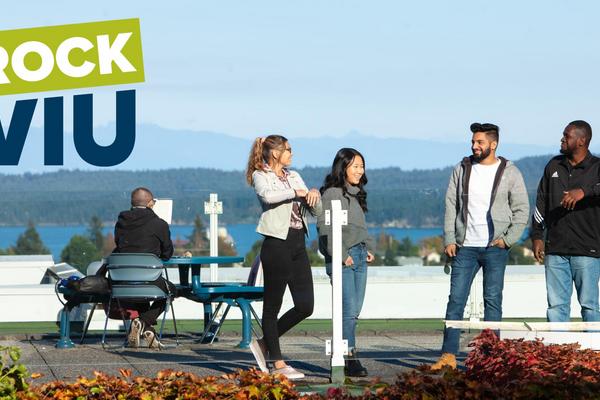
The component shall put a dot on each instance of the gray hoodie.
(353, 233)
(509, 207)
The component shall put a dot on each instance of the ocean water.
(244, 235)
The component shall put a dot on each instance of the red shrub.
(519, 361)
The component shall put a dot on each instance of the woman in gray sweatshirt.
(346, 182)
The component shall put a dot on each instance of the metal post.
(337, 347)
(475, 313)
(65, 341)
(213, 207)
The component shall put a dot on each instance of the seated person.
(140, 230)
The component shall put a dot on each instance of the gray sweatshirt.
(353, 233)
(509, 206)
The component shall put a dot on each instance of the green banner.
(71, 56)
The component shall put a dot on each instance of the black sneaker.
(355, 369)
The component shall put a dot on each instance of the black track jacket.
(575, 232)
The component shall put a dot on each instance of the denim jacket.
(276, 201)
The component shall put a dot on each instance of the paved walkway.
(384, 355)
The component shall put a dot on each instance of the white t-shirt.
(480, 229)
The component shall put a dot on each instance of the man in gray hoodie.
(487, 210)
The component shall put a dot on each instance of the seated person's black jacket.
(140, 230)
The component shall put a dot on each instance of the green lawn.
(234, 326)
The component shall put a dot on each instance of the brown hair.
(260, 153)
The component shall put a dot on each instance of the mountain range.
(159, 148)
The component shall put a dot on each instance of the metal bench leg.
(246, 323)
(87, 323)
(208, 326)
(106, 323)
(162, 324)
(256, 317)
(174, 321)
(126, 326)
(65, 341)
(220, 324)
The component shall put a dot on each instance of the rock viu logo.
(69, 57)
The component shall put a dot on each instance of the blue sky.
(384, 68)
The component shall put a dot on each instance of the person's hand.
(370, 257)
(538, 250)
(349, 261)
(499, 243)
(571, 197)
(450, 250)
(312, 197)
(300, 193)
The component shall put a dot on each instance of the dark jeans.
(465, 266)
(285, 263)
(148, 312)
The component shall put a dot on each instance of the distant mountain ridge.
(395, 196)
(160, 148)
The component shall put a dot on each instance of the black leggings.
(285, 263)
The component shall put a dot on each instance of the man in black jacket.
(568, 213)
(140, 230)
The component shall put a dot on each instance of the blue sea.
(57, 237)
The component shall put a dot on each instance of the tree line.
(396, 197)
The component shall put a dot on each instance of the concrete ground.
(384, 355)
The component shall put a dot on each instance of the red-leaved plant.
(517, 360)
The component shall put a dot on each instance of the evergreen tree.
(109, 244)
(198, 243)
(80, 252)
(29, 242)
(251, 255)
(95, 232)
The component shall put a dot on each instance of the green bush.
(12, 378)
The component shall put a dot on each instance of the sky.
(421, 70)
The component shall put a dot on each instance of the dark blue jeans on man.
(561, 273)
(354, 286)
(465, 266)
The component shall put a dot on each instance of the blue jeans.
(561, 272)
(465, 266)
(354, 285)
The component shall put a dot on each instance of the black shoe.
(354, 368)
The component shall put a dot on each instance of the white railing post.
(337, 347)
(475, 302)
(213, 207)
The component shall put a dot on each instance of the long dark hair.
(337, 176)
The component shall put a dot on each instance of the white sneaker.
(288, 372)
(152, 339)
(259, 350)
(133, 339)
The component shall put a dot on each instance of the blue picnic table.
(237, 294)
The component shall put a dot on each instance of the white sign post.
(475, 304)
(337, 347)
(213, 207)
